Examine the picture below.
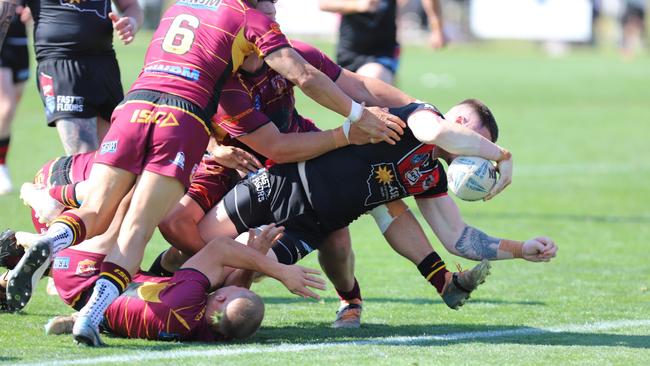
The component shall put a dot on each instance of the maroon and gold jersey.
(200, 42)
(211, 182)
(249, 101)
(163, 308)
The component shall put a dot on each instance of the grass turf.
(578, 129)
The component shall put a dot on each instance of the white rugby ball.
(471, 178)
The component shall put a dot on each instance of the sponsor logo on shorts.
(99, 7)
(260, 180)
(86, 268)
(108, 147)
(383, 185)
(47, 89)
(412, 176)
(182, 71)
(160, 118)
(61, 263)
(179, 160)
(69, 103)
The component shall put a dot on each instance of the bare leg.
(336, 258)
(377, 71)
(217, 223)
(78, 135)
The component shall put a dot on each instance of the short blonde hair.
(241, 317)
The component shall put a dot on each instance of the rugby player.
(368, 34)
(78, 73)
(322, 195)
(196, 303)
(159, 132)
(14, 71)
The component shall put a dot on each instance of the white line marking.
(393, 341)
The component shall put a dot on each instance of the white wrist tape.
(356, 110)
(346, 129)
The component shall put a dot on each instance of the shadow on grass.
(414, 301)
(444, 334)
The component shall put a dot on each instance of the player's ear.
(459, 120)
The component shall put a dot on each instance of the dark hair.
(485, 115)
(271, 1)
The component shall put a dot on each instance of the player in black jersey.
(78, 74)
(14, 71)
(313, 198)
(368, 34)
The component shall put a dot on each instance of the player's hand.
(126, 27)
(24, 13)
(504, 167)
(376, 125)
(298, 280)
(540, 249)
(437, 40)
(264, 239)
(367, 6)
(236, 158)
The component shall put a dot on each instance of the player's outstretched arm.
(466, 241)
(378, 125)
(371, 91)
(223, 251)
(429, 128)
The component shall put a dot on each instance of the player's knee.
(338, 245)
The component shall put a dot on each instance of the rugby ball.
(471, 178)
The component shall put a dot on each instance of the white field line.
(392, 341)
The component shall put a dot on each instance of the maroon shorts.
(211, 182)
(157, 132)
(74, 273)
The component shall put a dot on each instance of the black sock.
(157, 269)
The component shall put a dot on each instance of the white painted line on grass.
(379, 341)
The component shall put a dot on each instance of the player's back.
(197, 44)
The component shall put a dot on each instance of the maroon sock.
(65, 195)
(4, 148)
(353, 294)
(433, 269)
(75, 223)
(116, 274)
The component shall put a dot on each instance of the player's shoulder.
(405, 111)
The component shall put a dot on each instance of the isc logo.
(161, 118)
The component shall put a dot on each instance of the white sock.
(61, 236)
(103, 295)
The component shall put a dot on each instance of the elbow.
(279, 154)
(307, 81)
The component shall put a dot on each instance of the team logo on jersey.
(257, 104)
(383, 185)
(86, 268)
(99, 7)
(179, 160)
(279, 83)
(61, 263)
(47, 89)
(200, 4)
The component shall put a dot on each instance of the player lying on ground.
(160, 131)
(197, 303)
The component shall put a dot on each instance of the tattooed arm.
(466, 241)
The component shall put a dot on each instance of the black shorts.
(14, 56)
(274, 196)
(352, 60)
(83, 87)
(293, 247)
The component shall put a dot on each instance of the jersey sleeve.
(210, 184)
(236, 113)
(440, 184)
(264, 33)
(317, 59)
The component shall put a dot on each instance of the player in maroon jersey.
(183, 307)
(159, 132)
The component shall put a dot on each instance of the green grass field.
(579, 131)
